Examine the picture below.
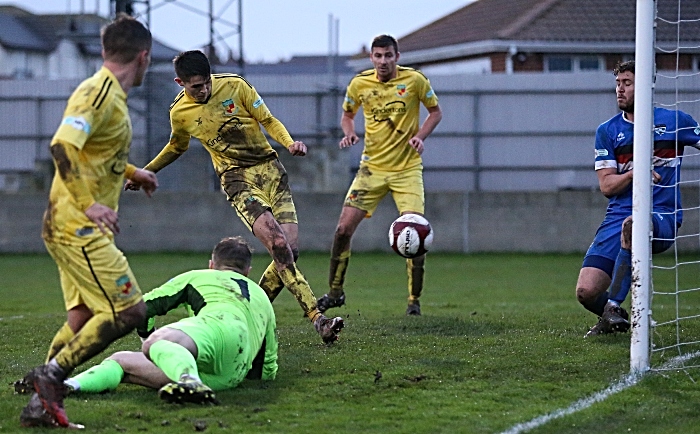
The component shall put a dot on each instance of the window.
(573, 63)
(560, 64)
(589, 63)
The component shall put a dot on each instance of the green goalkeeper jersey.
(206, 292)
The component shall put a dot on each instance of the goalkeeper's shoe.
(187, 389)
(329, 328)
(34, 415)
(413, 309)
(326, 302)
(51, 391)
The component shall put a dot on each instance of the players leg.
(105, 283)
(409, 196)
(366, 191)
(415, 268)
(270, 233)
(111, 296)
(256, 193)
(350, 218)
(270, 280)
(174, 350)
(621, 281)
(597, 270)
(121, 367)
(663, 230)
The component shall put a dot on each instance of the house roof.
(584, 22)
(14, 33)
(22, 30)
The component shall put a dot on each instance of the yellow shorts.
(96, 275)
(371, 185)
(263, 187)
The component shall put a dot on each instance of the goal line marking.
(628, 381)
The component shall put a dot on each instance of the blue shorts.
(606, 245)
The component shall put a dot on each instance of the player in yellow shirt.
(390, 96)
(90, 150)
(224, 112)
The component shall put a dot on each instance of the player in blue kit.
(605, 277)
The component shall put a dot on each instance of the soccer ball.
(410, 235)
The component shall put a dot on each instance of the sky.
(273, 30)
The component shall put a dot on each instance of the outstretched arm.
(433, 119)
(141, 177)
(166, 156)
(279, 133)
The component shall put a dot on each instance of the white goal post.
(641, 186)
(665, 292)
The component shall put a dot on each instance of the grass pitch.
(500, 342)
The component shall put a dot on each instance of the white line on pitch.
(628, 381)
(11, 317)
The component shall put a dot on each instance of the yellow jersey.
(391, 113)
(96, 122)
(227, 125)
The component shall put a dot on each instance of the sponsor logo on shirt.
(229, 106)
(601, 153)
(258, 102)
(390, 108)
(660, 129)
(430, 93)
(125, 286)
(349, 100)
(77, 122)
(620, 137)
(401, 90)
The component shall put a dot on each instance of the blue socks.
(622, 277)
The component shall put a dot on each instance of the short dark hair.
(385, 41)
(232, 253)
(624, 67)
(190, 64)
(124, 38)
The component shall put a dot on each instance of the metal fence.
(525, 132)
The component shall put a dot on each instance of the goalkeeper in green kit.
(229, 335)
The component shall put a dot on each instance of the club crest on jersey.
(659, 129)
(125, 287)
(401, 90)
(229, 106)
(353, 196)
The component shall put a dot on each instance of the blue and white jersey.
(673, 131)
